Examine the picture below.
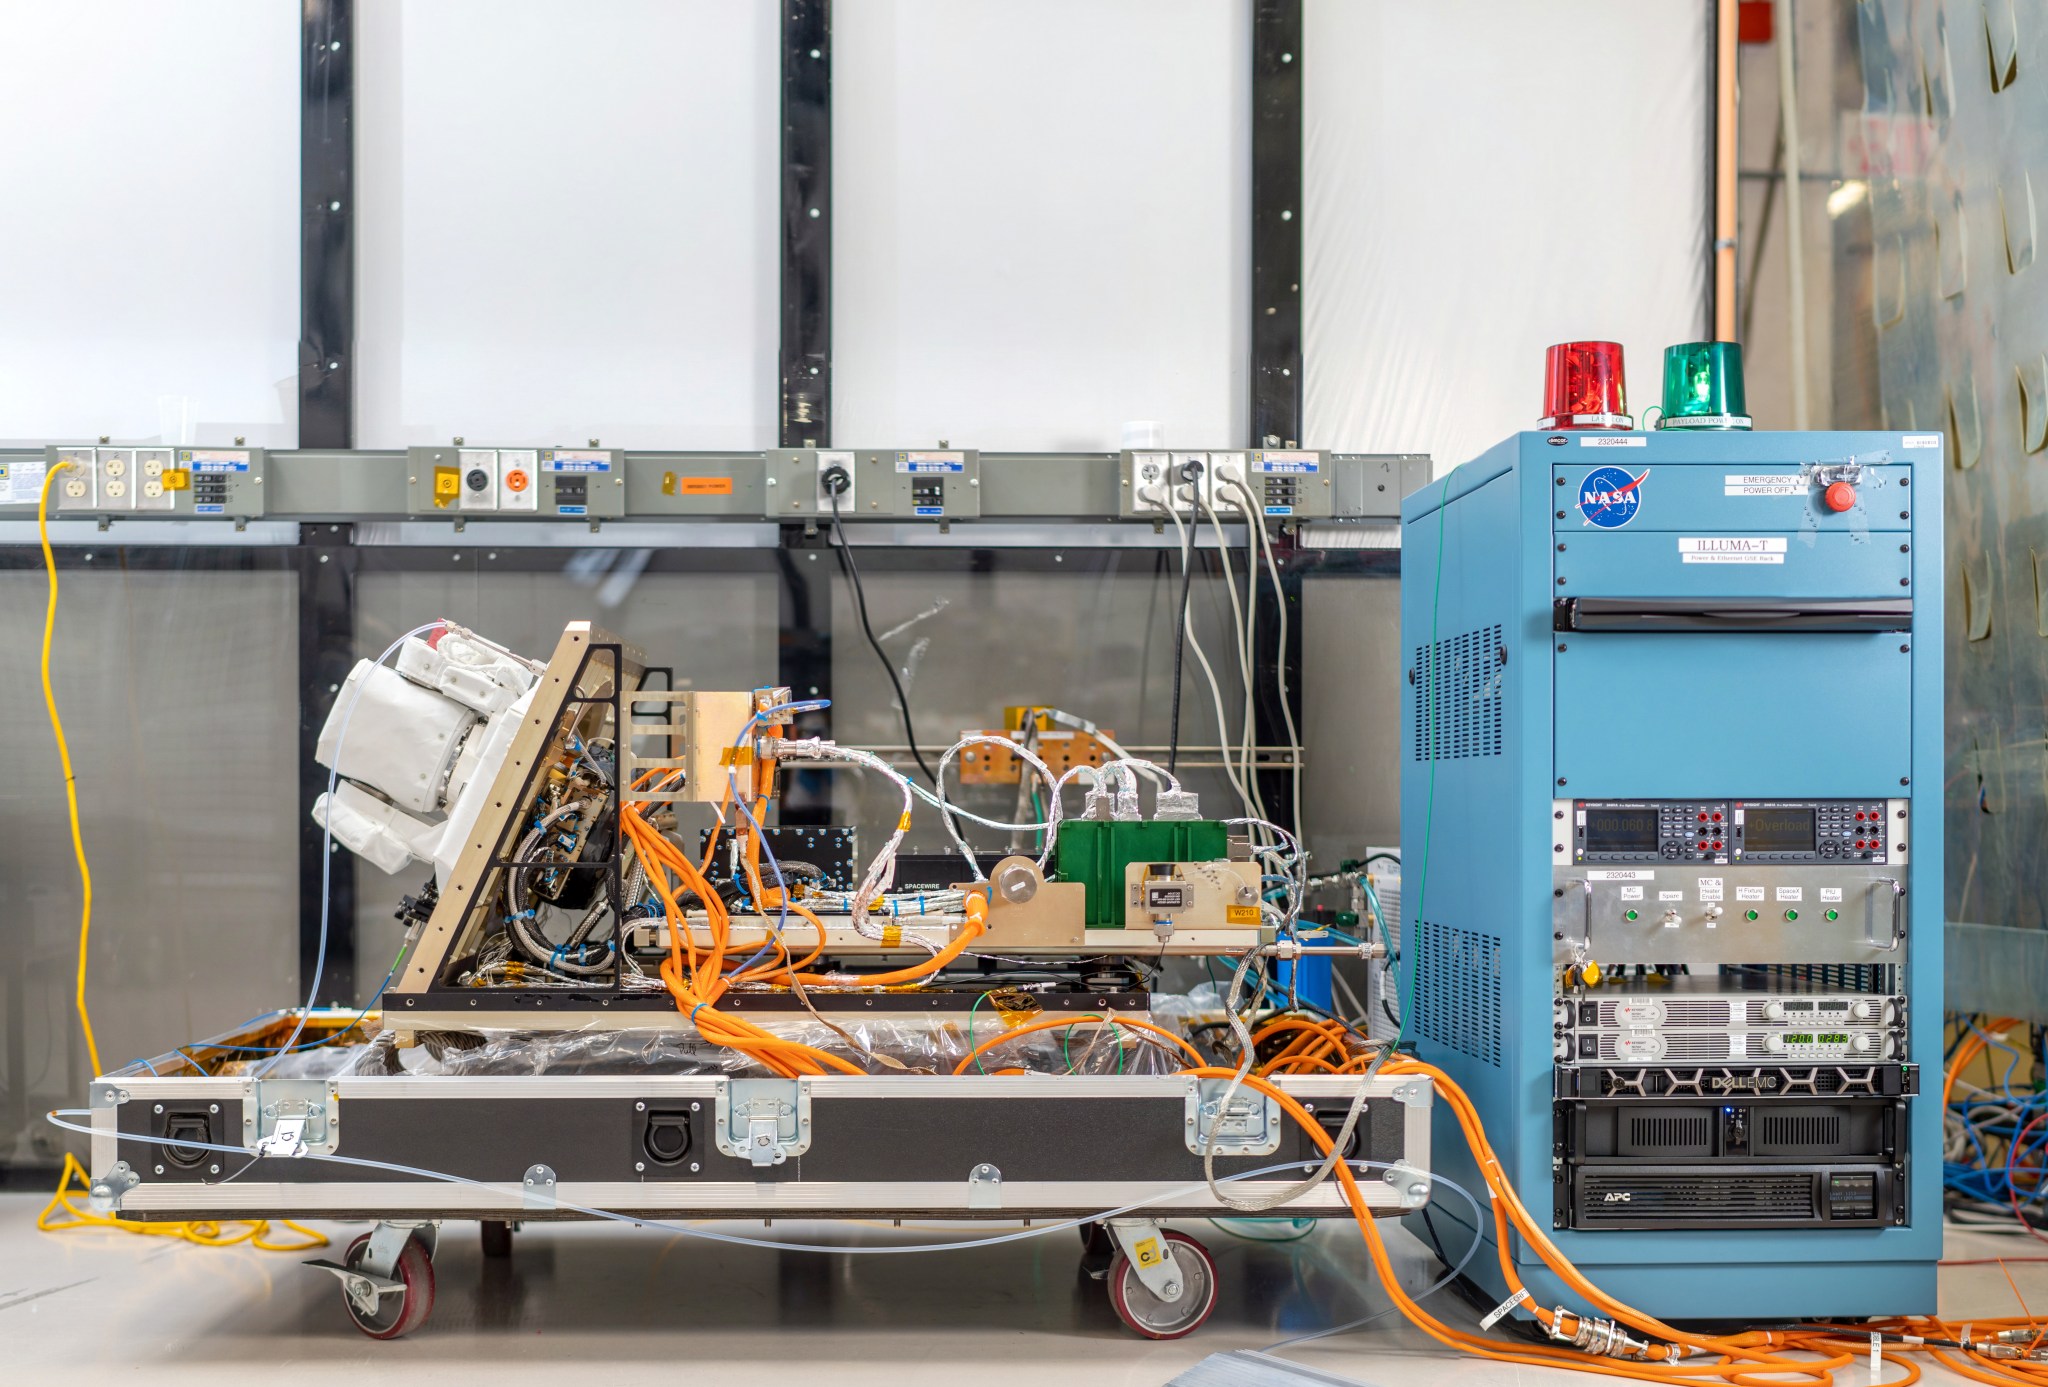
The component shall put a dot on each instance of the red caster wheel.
(1145, 1313)
(399, 1312)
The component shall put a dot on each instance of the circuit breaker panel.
(1673, 722)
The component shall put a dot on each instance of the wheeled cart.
(1110, 1154)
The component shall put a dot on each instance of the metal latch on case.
(763, 1121)
(291, 1117)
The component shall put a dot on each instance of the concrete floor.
(93, 1306)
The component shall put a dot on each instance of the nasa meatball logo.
(1609, 497)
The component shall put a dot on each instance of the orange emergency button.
(1839, 496)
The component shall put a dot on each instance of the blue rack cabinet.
(1674, 724)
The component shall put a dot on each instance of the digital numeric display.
(1621, 830)
(1779, 829)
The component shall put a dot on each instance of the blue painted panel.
(1735, 496)
(1652, 716)
(1653, 563)
(1677, 714)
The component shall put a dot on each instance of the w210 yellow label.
(1241, 914)
(1148, 1252)
(736, 756)
(892, 935)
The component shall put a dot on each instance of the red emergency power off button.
(1840, 496)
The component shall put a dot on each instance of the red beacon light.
(1582, 387)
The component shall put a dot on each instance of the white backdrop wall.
(1041, 215)
(149, 255)
(567, 222)
(1484, 179)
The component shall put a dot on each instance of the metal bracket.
(984, 1187)
(105, 1194)
(1898, 915)
(109, 1096)
(291, 1117)
(763, 1121)
(1150, 1254)
(1250, 1127)
(1852, 471)
(1412, 1184)
(363, 1291)
(1416, 1094)
(537, 1191)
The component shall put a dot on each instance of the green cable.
(1412, 939)
(1067, 1037)
(979, 997)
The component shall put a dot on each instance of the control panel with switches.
(463, 483)
(872, 484)
(1294, 483)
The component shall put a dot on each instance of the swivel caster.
(497, 1237)
(1162, 1285)
(387, 1280)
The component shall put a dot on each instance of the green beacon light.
(1703, 387)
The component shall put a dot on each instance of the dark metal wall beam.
(326, 559)
(327, 220)
(1276, 393)
(327, 328)
(805, 404)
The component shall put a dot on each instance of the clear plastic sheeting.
(1482, 180)
(920, 1045)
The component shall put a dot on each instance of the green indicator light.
(1791, 915)
(1703, 387)
(1749, 914)
(1834, 914)
(1628, 915)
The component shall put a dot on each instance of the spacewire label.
(1609, 497)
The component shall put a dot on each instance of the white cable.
(1150, 770)
(1022, 753)
(1215, 691)
(1241, 627)
(1280, 665)
(882, 868)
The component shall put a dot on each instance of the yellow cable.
(255, 1232)
(208, 1233)
(92, 1049)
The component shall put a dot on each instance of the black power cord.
(835, 480)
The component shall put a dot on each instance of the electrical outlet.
(518, 479)
(117, 478)
(1153, 476)
(826, 462)
(151, 490)
(1226, 474)
(478, 479)
(78, 485)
